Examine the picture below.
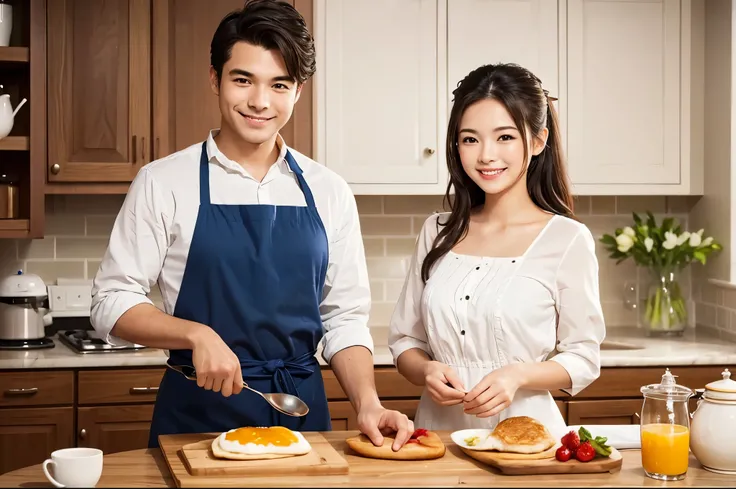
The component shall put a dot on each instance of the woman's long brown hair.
(546, 177)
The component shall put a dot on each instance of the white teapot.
(713, 426)
(7, 114)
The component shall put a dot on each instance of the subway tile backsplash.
(78, 228)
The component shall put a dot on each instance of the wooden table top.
(148, 468)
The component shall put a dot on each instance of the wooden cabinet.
(28, 436)
(379, 125)
(628, 85)
(99, 79)
(129, 82)
(609, 411)
(114, 428)
(23, 150)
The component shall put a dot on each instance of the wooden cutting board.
(517, 464)
(190, 460)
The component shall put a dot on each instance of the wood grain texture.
(190, 458)
(549, 465)
(147, 468)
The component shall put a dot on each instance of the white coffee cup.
(74, 467)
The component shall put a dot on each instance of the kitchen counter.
(623, 347)
(61, 356)
(148, 468)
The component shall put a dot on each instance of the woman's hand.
(443, 384)
(494, 392)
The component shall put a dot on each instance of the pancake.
(519, 434)
(423, 445)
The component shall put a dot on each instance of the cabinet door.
(610, 411)
(39, 431)
(114, 428)
(99, 74)
(523, 32)
(378, 89)
(185, 108)
(623, 75)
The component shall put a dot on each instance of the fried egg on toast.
(250, 443)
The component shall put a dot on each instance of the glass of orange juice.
(665, 429)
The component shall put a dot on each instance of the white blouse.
(478, 314)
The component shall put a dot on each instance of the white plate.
(459, 437)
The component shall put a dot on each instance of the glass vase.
(665, 310)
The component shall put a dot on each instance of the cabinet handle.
(134, 150)
(82, 434)
(22, 392)
(143, 149)
(143, 390)
(55, 168)
(428, 151)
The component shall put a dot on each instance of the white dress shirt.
(478, 314)
(153, 231)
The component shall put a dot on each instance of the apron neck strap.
(204, 178)
(294, 166)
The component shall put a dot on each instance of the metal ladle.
(283, 403)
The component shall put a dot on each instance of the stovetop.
(88, 341)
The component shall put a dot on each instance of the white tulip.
(629, 231)
(695, 240)
(700, 233)
(670, 240)
(624, 242)
(649, 243)
(683, 237)
(707, 241)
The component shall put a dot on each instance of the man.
(256, 249)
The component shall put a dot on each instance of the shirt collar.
(218, 157)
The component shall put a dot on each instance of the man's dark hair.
(270, 24)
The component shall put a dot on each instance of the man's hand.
(494, 392)
(377, 421)
(443, 384)
(217, 366)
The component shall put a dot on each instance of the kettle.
(711, 430)
(24, 307)
(7, 114)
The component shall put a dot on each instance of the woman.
(501, 303)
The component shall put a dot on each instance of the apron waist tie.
(281, 371)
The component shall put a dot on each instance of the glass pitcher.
(665, 429)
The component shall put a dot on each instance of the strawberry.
(563, 454)
(585, 452)
(571, 441)
(419, 432)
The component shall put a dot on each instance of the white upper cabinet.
(379, 83)
(621, 70)
(628, 99)
(481, 32)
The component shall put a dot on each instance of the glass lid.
(668, 390)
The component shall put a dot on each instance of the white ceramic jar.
(713, 427)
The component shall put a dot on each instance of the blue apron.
(255, 275)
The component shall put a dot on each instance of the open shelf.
(13, 54)
(15, 143)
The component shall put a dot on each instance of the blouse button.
(462, 332)
(513, 261)
(467, 297)
(477, 268)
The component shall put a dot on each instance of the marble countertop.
(61, 356)
(623, 347)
